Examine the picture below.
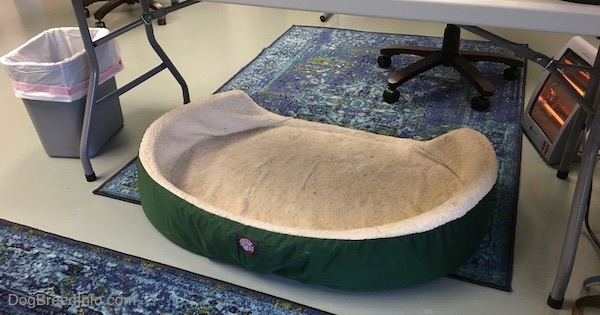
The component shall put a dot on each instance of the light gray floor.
(210, 43)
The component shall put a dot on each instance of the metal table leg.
(589, 104)
(581, 196)
(91, 95)
(90, 45)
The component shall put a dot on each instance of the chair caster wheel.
(100, 24)
(391, 96)
(480, 103)
(384, 61)
(511, 73)
(162, 21)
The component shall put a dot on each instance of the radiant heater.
(550, 114)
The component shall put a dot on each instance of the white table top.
(537, 15)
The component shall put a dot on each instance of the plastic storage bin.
(50, 73)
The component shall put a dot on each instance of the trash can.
(50, 73)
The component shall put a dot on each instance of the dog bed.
(321, 204)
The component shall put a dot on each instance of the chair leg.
(409, 50)
(412, 70)
(156, 6)
(105, 9)
(484, 85)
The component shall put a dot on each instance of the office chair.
(448, 55)
(112, 4)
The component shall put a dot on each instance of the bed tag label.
(249, 246)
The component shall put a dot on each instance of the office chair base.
(113, 4)
(448, 55)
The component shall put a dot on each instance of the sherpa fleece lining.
(228, 156)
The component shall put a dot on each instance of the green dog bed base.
(322, 204)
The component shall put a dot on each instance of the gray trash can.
(50, 73)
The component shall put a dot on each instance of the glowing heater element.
(551, 111)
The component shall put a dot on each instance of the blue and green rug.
(44, 274)
(331, 76)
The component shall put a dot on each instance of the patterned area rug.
(43, 273)
(331, 76)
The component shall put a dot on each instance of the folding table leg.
(581, 196)
(93, 84)
(90, 45)
(578, 209)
